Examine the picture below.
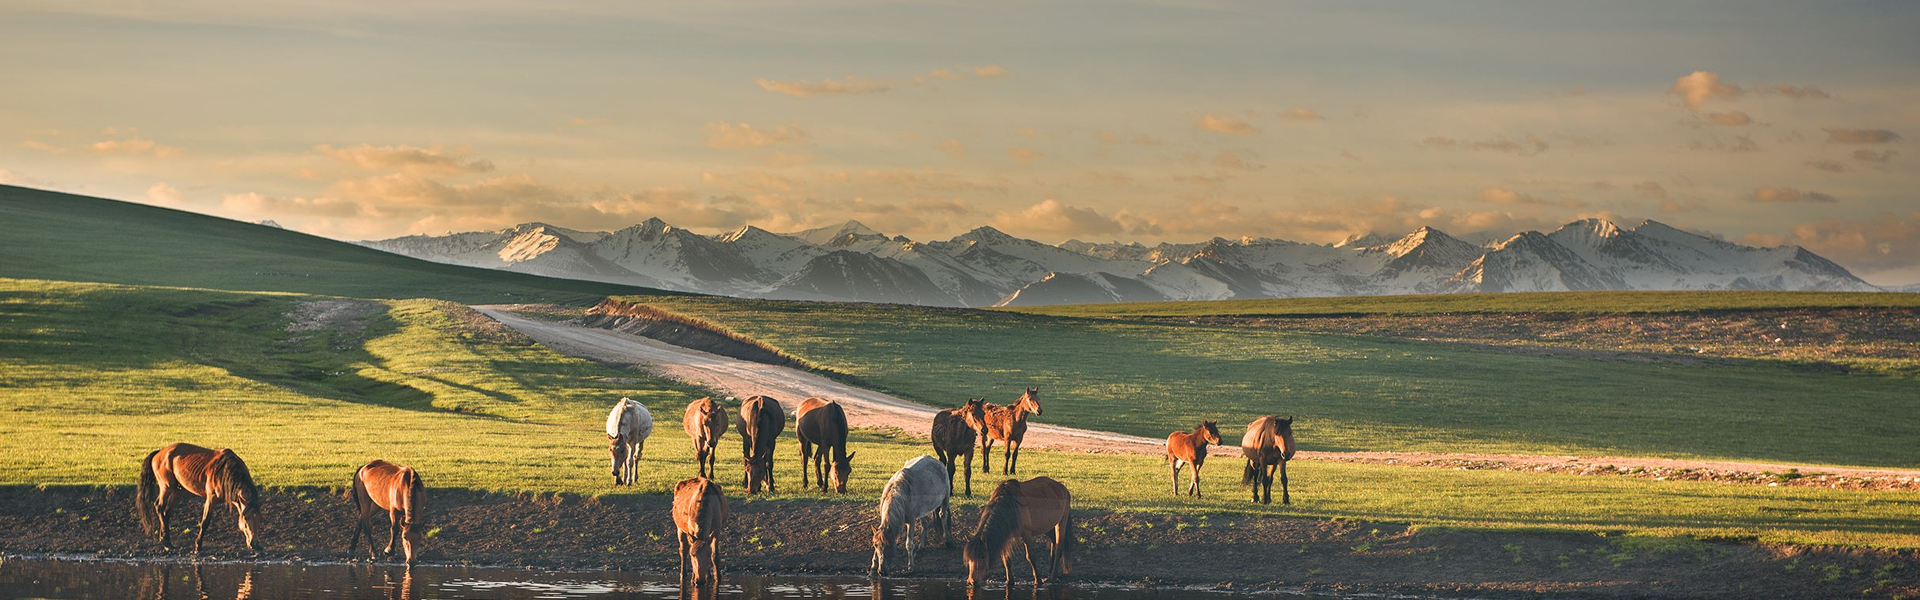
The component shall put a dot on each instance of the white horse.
(627, 429)
(919, 492)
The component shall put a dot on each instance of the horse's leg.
(205, 510)
(685, 552)
(969, 472)
(913, 525)
(163, 505)
(393, 529)
(1268, 499)
(713, 559)
(1026, 548)
(1195, 490)
(1176, 476)
(1257, 470)
(1284, 497)
(1011, 465)
(986, 454)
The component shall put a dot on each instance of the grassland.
(77, 238)
(1350, 392)
(1547, 302)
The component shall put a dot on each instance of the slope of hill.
(50, 235)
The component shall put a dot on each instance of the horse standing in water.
(761, 421)
(1007, 424)
(1191, 448)
(217, 476)
(628, 426)
(919, 492)
(1020, 511)
(381, 485)
(821, 426)
(1269, 442)
(705, 422)
(699, 511)
(954, 432)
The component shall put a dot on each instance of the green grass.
(77, 238)
(1539, 302)
(94, 376)
(1349, 392)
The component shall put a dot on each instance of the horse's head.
(842, 471)
(619, 458)
(1210, 431)
(759, 472)
(1286, 437)
(979, 564)
(1029, 401)
(881, 540)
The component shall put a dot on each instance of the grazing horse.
(1007, 424)
(1269, 442)
(1020, 511)
(699, 511)
(821, 426)
(761, 421)
(919, 492)
(705, 422)
(218, 476)
(954, 432)
(381, 485)
(628, 427)
(1191, 448)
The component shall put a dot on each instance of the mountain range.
(986, 267)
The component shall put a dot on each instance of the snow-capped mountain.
(985, 266)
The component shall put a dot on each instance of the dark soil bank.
(800, 536)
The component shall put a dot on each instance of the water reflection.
(90, 580)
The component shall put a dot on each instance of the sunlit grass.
(1548, 302)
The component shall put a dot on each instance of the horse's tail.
(359, 491)
(1063, 545)
(146, 499)
(1250, 475)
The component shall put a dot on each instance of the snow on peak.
(822, 236)
(1363, 240)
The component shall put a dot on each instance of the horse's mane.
(999, 519)
(231, 473)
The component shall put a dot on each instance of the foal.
(381, 485)
(1007, 424)
(1191, 448)
(705, 422)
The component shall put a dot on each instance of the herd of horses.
(916, 497)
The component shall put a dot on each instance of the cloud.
(1224, 124)
(1887, 242)
(848, 87)
(1650, 189)
(1349, 155)
(589, 122)
(1698, 87)
(1114, 138)
(163, 194)
(1026, 156)
(1529, 145)
(1110, 176)
(1861, 136)
(43, 147)
(1795, 92)
(990, 71)
(1329, 219)
(1300, 114)
(1874, 156)
(781, 160)
(741, 135)
(1054, 219)
(953, 148)
(1506, 196)
(133, 147)
(1730, 118)
(1738, 143)
(1789, 195)
(1233, 161)
(432, 161)
(1830, 166)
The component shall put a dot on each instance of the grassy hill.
(1529, 302)
(50, 235)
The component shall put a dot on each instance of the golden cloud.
(1698, 87)
(1224, 124)
(1789, 195)
(850, 86)
(741, 135)
(1861, 136)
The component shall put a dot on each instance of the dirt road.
(868, 408)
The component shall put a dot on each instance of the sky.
(1760, 122)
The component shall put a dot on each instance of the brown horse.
(954, 433)
(699, 511)
(705, 422)
(821, 426)
(761, 421)
(381, 485)
(1007, 424)
(1021, 511)
(1191, 448)
(1269, 442)
(217, 476)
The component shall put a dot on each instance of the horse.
(705, 422)
(761, 420)
(954, 432)
(218, 476)
(1269, 442)
(628, 426)
(1021, 510)
(821, 426)
(1007, 424)
(699, 511)
(1191, 448)
(919, 491)
(381, 485)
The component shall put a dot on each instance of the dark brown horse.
(699, 511)
(381, 485)
(1020, 511)
(216, 476)
(821, 426)
(761, 421)
(705, 422)
(954, 434)
(1191, 448)
(1268, 443)
(1007, 424)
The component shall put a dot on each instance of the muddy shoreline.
(801, 536)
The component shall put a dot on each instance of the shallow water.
(145, 580)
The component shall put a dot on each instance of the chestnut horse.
(381, 485)
(1191, 448)
(761, 421)
(1020, 511)
(699, 511)
(216, 476)
(821, 426)
(1269, 442)
(705, 422)
(1007, 424)
(954, 433)
(629, 425)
